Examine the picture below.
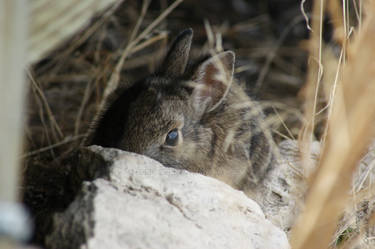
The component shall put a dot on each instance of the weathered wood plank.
(53, 21)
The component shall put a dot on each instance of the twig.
(115, 77)
(64, 141)
(46, 105)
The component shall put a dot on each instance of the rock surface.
(135, 202)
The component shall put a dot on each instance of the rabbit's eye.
(172, 138)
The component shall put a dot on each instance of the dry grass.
(102, 76)
(69, 87)
(349, 131)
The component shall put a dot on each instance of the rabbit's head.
(164, 116)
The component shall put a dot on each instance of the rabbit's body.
(193, 119)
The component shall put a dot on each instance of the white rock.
(138, 203)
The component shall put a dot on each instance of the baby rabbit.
(192, 117)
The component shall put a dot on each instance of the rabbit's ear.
(213, 79)
(175, 62)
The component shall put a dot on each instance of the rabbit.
(191, 116)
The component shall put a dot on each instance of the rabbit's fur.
(220, 131)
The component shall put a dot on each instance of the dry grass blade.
(314, 76)
(54, 125)
(335, 10)
(84, 102)
(152, 40)
(64, 141)
(350, 130)
(273, 52)
(115, 77)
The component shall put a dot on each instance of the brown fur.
(221, 130)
